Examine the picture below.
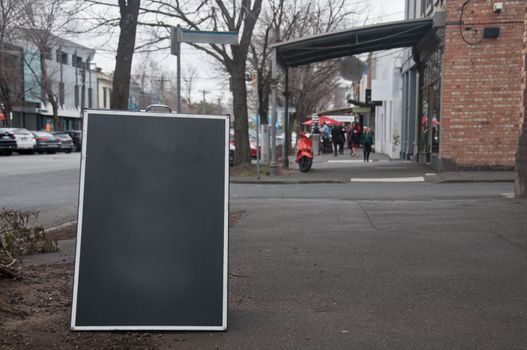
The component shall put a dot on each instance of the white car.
(25, 141)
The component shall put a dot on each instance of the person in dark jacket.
(356, 137)
(367, 141)
(338, 137)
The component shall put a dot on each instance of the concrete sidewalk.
(345, 169)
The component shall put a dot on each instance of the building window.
(62, 57)
(426, 7)
(104, 94)
(76, 61)
(61, 94)
(430, 103)
(76, 96)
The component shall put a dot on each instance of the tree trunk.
(264, 90)
(55, 111)
(125, 51)
(241, 126)
(46, 85)
(520, 188)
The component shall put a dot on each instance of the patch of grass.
(249, 170)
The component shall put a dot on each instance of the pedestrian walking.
(337, 136)
(326, 140)
(356, 134)
(349, 141)
(367, 141)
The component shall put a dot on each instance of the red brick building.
(482, 95)
(462, 84)
(521, 156)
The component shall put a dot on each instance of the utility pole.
(204, 92)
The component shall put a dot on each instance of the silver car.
(25, 141)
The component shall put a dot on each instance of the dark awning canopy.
(352, 41)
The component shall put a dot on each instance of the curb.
(286, 182)
(307, 182)
(464, 181)
(59, 227)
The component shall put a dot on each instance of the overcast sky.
(380, 11)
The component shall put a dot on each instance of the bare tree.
(10, 56)
(221, 15)
(286, 20)
(129, 11)
(156, 83)
(43, 18)
(190, 74)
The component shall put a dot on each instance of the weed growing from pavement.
(17, 237)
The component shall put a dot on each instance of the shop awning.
(353, 41)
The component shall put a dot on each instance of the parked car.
(66, 142)
(252, 144)
(45, 142)
(25, 141)
(231, 154)
(158, 108)
(76, 136)
(7, 141)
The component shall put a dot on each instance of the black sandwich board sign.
(153, 222)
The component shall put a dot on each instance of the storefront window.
(430, 103)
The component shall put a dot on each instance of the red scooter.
(304, 152)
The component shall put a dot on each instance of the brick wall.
(481, 101)
(520, 187)
(523, 110)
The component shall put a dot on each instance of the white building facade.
(387, 88)
(72, 80)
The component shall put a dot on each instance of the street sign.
(179, 35)
(207, 37)
(152, 229)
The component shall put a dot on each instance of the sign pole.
(178, 44)
(178, 36)
(274, 85)
(257, 104)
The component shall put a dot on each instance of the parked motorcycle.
(304, 152)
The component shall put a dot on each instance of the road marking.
(430, 174)
(346, 161)
(508, 195)
(389, 179)
(59, 227)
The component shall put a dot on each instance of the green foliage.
(18, 238)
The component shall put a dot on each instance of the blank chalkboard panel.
(152, 223)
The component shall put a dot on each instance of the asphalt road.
(377, 274)
(346, 266)
(47, 183)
